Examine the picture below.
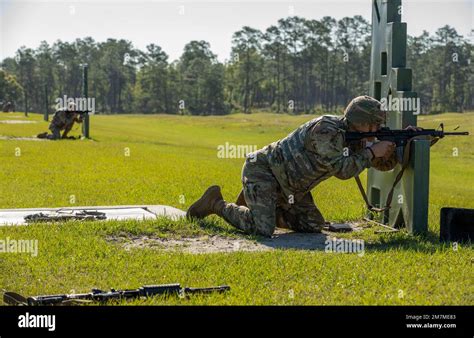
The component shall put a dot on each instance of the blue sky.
(171, 24)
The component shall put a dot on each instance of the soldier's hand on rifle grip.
(412, 128)
(383, 149)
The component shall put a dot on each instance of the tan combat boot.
(211, 202)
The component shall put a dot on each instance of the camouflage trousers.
(268, 208)
(56, 133)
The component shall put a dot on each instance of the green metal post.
(390, 77)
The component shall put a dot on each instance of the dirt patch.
(17, 122)
(194, 245)
(210, 244)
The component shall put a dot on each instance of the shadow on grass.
(296, 241)
(427, 243)
(282, 239)
(405, 243)
(311, 242)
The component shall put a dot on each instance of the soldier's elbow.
(344, 175)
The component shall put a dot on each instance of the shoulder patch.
(326, 126)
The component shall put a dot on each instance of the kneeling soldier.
(278, 179)
(62, 120)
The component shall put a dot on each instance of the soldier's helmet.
(365, 109)
(71, 106)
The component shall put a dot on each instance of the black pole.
(26, 104)
(46, 111)
(85, 123)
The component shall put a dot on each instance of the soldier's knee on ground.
(252, 223)
(265, 227)
(303, 223)
(265, 231)
(56, 134)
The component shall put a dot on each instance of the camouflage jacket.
(315, 152)
(63, 119)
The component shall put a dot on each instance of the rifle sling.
(405, 162)
(364, 196)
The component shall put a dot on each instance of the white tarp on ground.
(16, 122)
(140, 212)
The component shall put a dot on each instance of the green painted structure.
(389, 76)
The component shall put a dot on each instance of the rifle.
(402, 140)
(81, 113)
(401, 137)
(97, 295)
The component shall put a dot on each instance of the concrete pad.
(16, 122)
(122, 212)
(13, 138)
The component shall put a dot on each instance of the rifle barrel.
(457, 133)
(389, 133)
(218, 289)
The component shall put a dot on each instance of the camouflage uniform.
(8, 107)
(62, 120)
(278, 179)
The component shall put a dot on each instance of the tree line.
(295, 66)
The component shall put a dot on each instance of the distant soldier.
(277, 180)
(8, 107)
(62, 120)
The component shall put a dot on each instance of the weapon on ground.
(101, 296)
(65, 215)
(402, 137)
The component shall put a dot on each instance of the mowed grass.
(159, 159)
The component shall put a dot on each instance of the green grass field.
(175, 156)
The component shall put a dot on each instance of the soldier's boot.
(241, 199)
(211, 202)
(280, 220)
(42, 135)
